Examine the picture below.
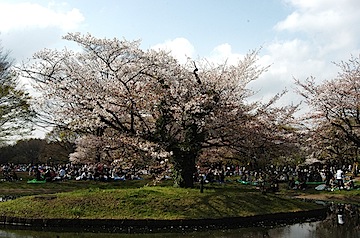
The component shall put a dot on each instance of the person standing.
(328, 177)
(339, 178)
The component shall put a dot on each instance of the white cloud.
(317, 33)
(22, 16)
(330, 34)
(291, 59)
(331, 24)
(223, 53)
(180, 48)
(28, 27)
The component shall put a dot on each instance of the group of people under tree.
(297, 177)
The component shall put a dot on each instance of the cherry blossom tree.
(335, 111)
(330, 144)
(132, 103)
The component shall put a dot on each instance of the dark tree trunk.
(184, 169)
(185, 145)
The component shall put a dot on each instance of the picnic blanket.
(36, 181)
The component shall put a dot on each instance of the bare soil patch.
(330, 197)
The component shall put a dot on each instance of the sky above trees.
(299, 38)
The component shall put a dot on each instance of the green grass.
(140, 200)
(159, 202)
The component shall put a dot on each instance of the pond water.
(342, 221)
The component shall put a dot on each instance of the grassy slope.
(150, 203)
(137, 200)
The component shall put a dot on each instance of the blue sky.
(205, 23)
(243, 24)
(299, 38)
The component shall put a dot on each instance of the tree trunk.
(184, 169)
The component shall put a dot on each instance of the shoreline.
(153, 225)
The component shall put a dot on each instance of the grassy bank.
(150, 203)
(139, 200)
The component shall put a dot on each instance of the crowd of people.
(59, 172)
(297, 177)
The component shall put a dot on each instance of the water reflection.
(342, 221)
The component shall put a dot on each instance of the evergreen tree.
(15, 110)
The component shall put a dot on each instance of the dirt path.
(331, 197)
(324, 197)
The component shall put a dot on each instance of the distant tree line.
(36, 151)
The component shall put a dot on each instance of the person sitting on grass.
(332, 184)
(38, 174)
(292, 184)
(302, 185)
(328, 177)
(349, 184)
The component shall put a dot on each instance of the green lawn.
(139, 199)
(150, 203)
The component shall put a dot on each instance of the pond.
(342, 221)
